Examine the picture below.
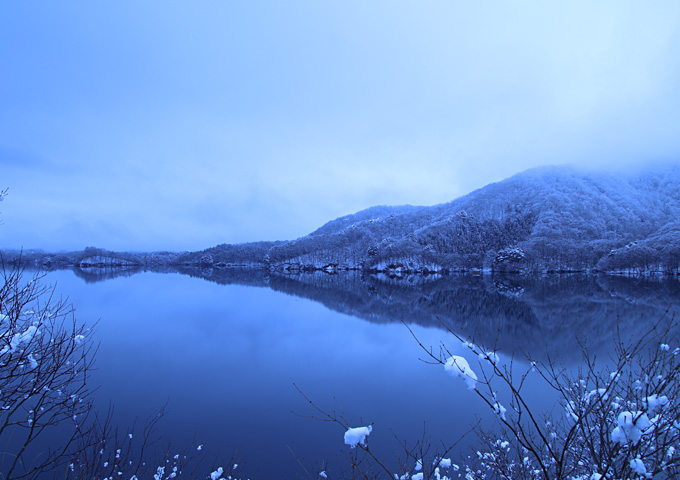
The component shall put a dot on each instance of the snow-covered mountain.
(545, 219)
(548, 219)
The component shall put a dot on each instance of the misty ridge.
(555, 219)
(413, 264)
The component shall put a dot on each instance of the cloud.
(25, 160)
(233, 121)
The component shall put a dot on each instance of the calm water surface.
(225, 358)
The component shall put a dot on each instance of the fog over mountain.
(549, 219)
(545, 219)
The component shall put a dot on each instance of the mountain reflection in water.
(536, 316)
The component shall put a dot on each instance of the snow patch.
(459, 367)
(655, 402)
(638, 466)
(216, 474)
(356, 436)
(631, 426)
(19, 339)
(500, 410)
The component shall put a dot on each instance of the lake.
(226, 350)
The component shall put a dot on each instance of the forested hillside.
(546, 219)
(549, 219)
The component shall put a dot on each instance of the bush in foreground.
(49, 426)
(615, 417)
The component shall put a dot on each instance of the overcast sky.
(178, 125)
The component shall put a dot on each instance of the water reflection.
(225, 355)
(225, 359)
(536, 316)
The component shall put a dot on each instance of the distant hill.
(545, 219)
(548, 219)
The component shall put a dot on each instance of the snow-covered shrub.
(44, 362)
(618, 419)
(49, 426)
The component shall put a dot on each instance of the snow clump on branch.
(459, 367)
(355, 436)
(631, 427)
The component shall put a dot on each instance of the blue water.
(225, 360)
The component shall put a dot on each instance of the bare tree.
(614, 418)
(49, 425)
(48, 422)
(415, 460)
(617, 417)
(45, 357)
